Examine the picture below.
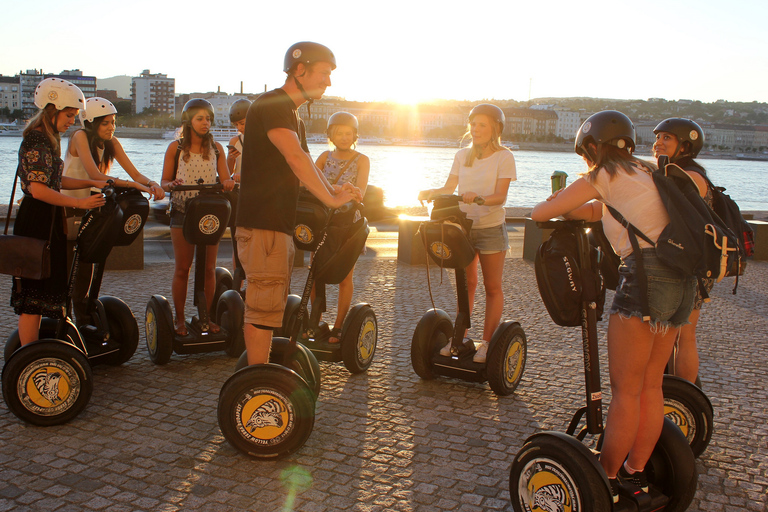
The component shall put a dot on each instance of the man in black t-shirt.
(275, 161)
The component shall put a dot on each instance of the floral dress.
(40, 163)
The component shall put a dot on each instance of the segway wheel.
(553, 471)
(47, 382)
(229, 315)
(506, 358)
(290, 315)
(358, 340)
(690, 409)
(223, 283)
(672, 468)
(158, 324)
(266, 411)
(123, 329)
(48, 328)
(432, 333)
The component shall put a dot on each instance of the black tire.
(358, 339)
(290, 315)
(672, 468)
(242, 361)
(223, 283)
(158, 324)
(48, 328)
(689, 408)
(507, 354)
(123, 329)
(47, 382)
(266, 411)
(229, 315)
(553, 471)
(432, 333)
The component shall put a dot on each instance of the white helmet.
(61, 93)
(97, 107)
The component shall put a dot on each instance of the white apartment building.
(10, 92)
(155, 91)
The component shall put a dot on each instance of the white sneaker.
(481, 352)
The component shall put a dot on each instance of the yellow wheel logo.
(680, 416)
(513, 363)
(264, 416)
(151, 327)
(366, 342)
(547, 487)
(48, 387)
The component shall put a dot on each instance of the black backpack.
(563, 282)
(696, 242)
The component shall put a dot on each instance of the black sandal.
(335, 333)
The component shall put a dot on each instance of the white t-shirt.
(481, 178)
(634, 196)
(74, 168)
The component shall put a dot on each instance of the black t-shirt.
(269, 189)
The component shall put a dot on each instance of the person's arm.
(499, 195)
(450, 186)
(42, 192)
(167, 181)
(363, 171)
(142, 182)
(287, 142)
(572, 203)
(232, 154)
(222, 169)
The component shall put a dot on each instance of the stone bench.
(410, 248)
(760, 227)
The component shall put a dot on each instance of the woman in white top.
(90, 155)
(638, 347)
(199, 157)
(483, 170)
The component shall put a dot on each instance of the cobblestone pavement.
(382, 440)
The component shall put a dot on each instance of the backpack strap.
(643, 282)
(344, 167)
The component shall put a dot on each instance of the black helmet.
(608, 126)
(344, 119)
(238, 110)
(686, 131)
(195, 103)
(307, 52)
(492, 111)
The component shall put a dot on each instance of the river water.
(401, 171)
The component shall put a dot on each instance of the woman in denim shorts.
(483, 170)
(638, 346)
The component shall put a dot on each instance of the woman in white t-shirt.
(483, 170)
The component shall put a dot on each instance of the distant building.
(107, 94)
(87, 84)
(29, 81)
(10, 92)
(153, 91)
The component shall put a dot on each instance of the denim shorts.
(490, 240)
(670, 295)
(177, 219)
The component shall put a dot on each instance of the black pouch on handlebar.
(99, 231)
(311, 218)
(563, 283)
(205, 219)
(135, 209)
(446, 235)
(344, 242)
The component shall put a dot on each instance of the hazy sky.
(410, 50)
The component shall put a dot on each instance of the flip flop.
(181, 330)
(213, 328)
(335, 333)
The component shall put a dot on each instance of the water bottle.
(558, 180)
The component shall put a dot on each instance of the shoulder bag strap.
(10, 204)
(344, 167)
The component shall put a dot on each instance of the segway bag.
(205, 219)
(98, 233)
(135, 209)
(447, 244)
(563, 283)
(311, 218)
(344, 242)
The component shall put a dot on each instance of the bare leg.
(29, 328)
(257, 343)
(472, 281)
(183, 254)
(493, 268)
(685, 362)
(346, 288)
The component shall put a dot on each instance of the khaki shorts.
(267, 259)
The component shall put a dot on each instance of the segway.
(49, 381)
(204, 223)
(446, 239)
(556, 471)
(268, 410)
(344, 233)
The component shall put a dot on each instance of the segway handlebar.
(454, 198)
(210, 187)
(555, 223)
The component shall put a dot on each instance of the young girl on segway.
(39, 216)
(90, 155)
(681, 140)
(485, 170)
(195, 156)
(638, 348)
(343, 165)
